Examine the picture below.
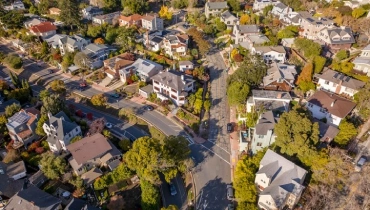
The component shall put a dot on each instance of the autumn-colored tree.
(245, 19)
(238, 58)
(305, 77)
(99, 100)
(99, 41)
(165, 13)
(358, 12)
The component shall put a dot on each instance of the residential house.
(327, 131)
(132, 20)
(78, 204)
(90, 176)
(59, 130)
(143, 68)
(270, 53)
(54, 11)
(91, 11)
(356, 4)
(54, 41)
(92, 151)
(229, 19)
(22, 126)
(175, 46)
(338, 83)
(280, 77)
(16, 170)
(263, 132)
(186, 65)
(269, 100)
(286, 14)
(22, 46)
(43, 30)
(113, 65)
(8, 185)
(259, 5)
(96, 53)
(152, 22)
(96, 3)
(362, 63)
(154, 43)
(281, 9)
(240, 32)
(329, 106)
(16, 5)
(174, 86)
(146, 91)
(109, 18)
(310, 27)
(38, 179)
(33, 21)
(337, 38)
(32, 197)
(280, 182)
(72, 43)
(215, 8)
(287, 42)
(253, 40)
(4, 104)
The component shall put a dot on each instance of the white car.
(108, 125)
(360, 163)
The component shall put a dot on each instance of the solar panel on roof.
(347, 79)
(335, 75)
(146, 63)
(310, 19)
(341, 77)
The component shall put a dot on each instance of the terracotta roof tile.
(43, 27)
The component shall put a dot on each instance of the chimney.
(332, 103)
(342, 27)
(279, 95)
(49, 115)
(182, 78)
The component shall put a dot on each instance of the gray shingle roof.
(339, 78)
(62, 124)
(173, 79)
(217, 5)
(32, 198)
(143, 66)
(16, 168)
(266, 49)
(266, 122)
(341, 32)
(78, 204)
(279, 71)
(327, 132)
(248, 28)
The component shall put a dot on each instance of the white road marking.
(220, 147)
(215, 154)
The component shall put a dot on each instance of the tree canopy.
(99, 100)
(304, 80)
(362, 98)
(12, 109)
(52, 166)
(149, 195)
(288, 32)
(237, 93)
(70, 13)
(149, 157)
(135, 6)
(58, 86)
(346, 132)
(308, 47)
(53, 104)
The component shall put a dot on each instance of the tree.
(197, 36)
(297, 136)
(234, 4)
(52, 166)
(70, 14)
(288, 32)
(344, 66)
(346, 132)
(43, 94)
(305, 77)
(3, 85)
(135, 6)
(12, 19)
(308, 47)
(99, 100)
(341, 55)
(67, 60)
(245, 19)
(319, 63)
(149, 157)
(39, 129)
(165, 13)
(81, 60)
(220, 26)
(95, 31)
(250, 72)
(358, 12)
(20, 94)
(75, 139)
(125, 145)
(58, 86)
(111, 5)
(77, 182)
(53, 104)
(15, 80)
(44, 48)
(99, 41)
(12, 155)
(362, 98)
(149, 195)
(237, 93)
(126, 38)
(14, 61)
(107, 133)
(267, 10)
(12, 109)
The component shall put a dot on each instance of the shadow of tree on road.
(212, 195)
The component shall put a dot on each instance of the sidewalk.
(234, 142)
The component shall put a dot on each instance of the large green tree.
(308, 47)
(288, 32)
(12, 19)
(111, 5)
(135, 6)
(297, 136)
(12, 109)
(53, 104)
(52, 166)
(347, 131)
(70, 13)
(362, 98)
(149, 195)
(237, 93)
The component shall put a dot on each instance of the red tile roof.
(43, 27)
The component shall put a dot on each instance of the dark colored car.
(149, 108)
(230, 192)
(229, 127)
(172, 189)
(114, 95)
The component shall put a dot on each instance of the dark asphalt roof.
(78, 204)
(63, 126)
(340, 78)
(173, 79)
(266, 122)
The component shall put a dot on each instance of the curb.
(194, 189)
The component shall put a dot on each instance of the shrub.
(13, 61)
(25, 155)
(39, 150)
(33, 146)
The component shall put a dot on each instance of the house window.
(310, 105)
(327, 82)
(322, 110)
(259, 144)
(260, 136)
(76, 129)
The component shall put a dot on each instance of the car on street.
(114, 95)
(108, 125)
(172, 189)
(229, 127)
(149, 108)
(230, 192)
(231, 206)
(360, 163)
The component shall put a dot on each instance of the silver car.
(230, 192)
(360, 163)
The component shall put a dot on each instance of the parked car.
(230, 192)
(114, 95)
(231, 206)
(108, 125)
(149, 108)
(360, 163)
(79, 113)
(172, 189)
(229, 127)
